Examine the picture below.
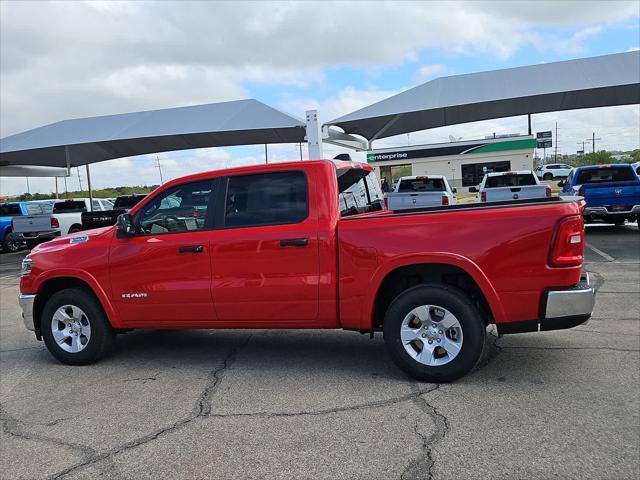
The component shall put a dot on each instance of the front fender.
(36, 286)
(440, 258)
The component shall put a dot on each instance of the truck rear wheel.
(547, 176)
(11, 243)
(434, 333)
(74, 327)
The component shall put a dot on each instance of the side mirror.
(561, 183)
(124, 226)
(473, 189)
(454, 190)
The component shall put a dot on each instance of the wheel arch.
(454, 270)
(56, 283)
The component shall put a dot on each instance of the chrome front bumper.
(26, 304)
(568, 308)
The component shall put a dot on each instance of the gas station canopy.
(70, 143)
(607, 80)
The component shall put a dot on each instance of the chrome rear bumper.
(568, 308)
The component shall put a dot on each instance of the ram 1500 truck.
(611, 192)
(505, 186)
(419, 192)
(22, 222)
(266, 247)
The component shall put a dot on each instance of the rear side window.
(70, 206)
(514, 180)
(128, 202)
(266, 199)
(8, 210)
(613, 174)
(421, 185)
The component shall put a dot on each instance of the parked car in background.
(37, 226)
(105, 218)
(68, 212)
(503, 186)
(22, 222)
(611, 192)
(420, 191)
(553, 170)
(266, 247)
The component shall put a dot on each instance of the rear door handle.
(294, 242)
(191, 249)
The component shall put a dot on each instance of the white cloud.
(426, 72)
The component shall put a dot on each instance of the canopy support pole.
(56, 179)
(90, 191)
(314, 135)
(529, 120)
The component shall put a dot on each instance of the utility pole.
(79, 179)
(593, 142)
(555, 155)
(159, 169)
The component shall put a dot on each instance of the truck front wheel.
(74, 327)
(434, 333)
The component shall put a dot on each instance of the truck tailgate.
(525, 192)
(621, 194)
(32, 224)
(402, 201)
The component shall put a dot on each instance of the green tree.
(595, 158)
(635, 155)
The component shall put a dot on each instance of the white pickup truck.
(68, 213)
(419, 192)
(507, 186)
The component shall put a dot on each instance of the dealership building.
(463, 163)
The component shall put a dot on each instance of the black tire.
(75, 229)
(467, 315)
(10, 243)
(547, 176)
(102, 335)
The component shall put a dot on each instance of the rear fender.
(441, 258)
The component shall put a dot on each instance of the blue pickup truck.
(611, 192)
(11, 240)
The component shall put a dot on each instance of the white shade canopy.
(94, 139)
(607, 80)
(32, 171)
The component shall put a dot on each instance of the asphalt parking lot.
(330, 404)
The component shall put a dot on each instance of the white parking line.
(608, 258)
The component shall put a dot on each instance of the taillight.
(483, 196)
(567, 249)
(55, 223)
(548, 191)
(445, 200)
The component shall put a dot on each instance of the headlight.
(26, 267)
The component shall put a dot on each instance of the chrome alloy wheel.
(70, 328)
(431, 335)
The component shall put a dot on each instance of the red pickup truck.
(310, 245)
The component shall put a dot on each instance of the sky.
(61, 60)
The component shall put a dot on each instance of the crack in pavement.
(422, 467)
(203, 405)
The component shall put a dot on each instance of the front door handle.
(294, 242)
(191, 249)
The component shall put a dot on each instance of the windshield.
(606, 174)
(128, 201)
(421, 184)
(10, 210)
(359, 192)
(69, 206)
(512, 180)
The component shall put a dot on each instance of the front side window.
(266, 199)
(180, 209)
